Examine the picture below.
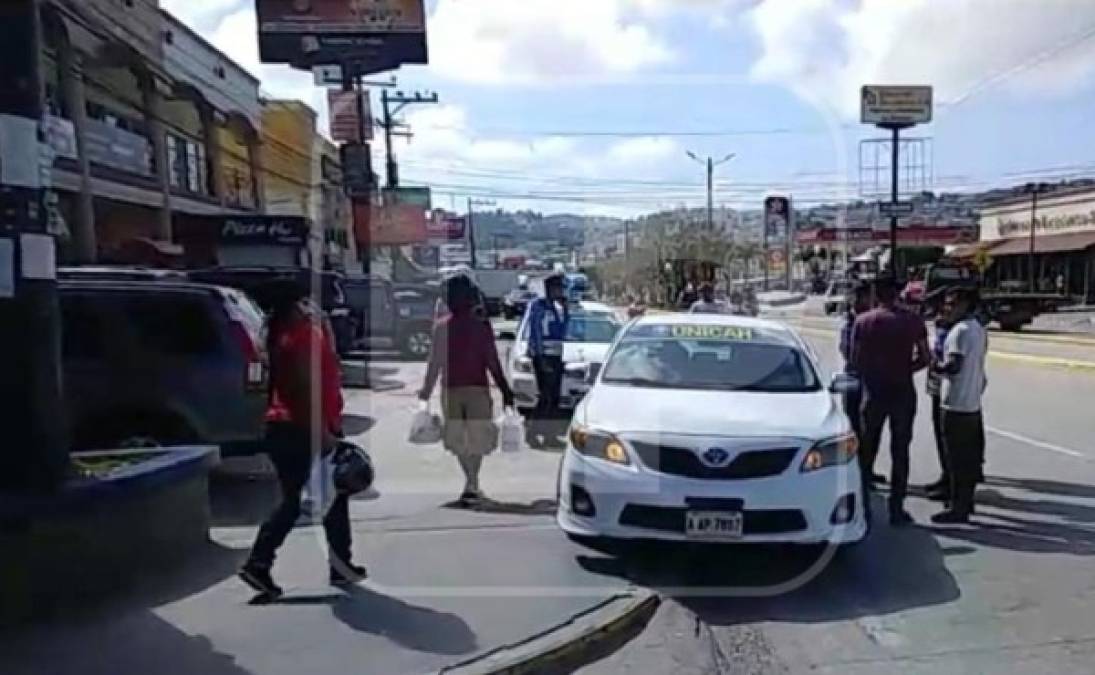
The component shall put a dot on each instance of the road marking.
(1035, 442)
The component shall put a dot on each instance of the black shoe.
(951, 517)
(259, 579)
(348, 575)
(940, 495)
(878, 479)
(901, 518)
(941, 484)
(469, 498)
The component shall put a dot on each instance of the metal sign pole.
(893, 200)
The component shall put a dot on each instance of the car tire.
(417, 343)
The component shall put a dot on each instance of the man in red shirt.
(304, 417)
(889, 344)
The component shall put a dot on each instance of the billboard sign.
(357, 169)
(890, 106)
(389, 224)
(371, 36)
(346, 108)
(276, 230)
(777, 218)
(445, 226)
(418, 196)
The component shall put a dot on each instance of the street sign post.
(895, 108)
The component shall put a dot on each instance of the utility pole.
(472, 202)
(401, 101)
(894, 153)
(34, 453)
(710, 164)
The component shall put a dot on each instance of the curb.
(570, 644)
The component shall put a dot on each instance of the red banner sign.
(389, 225)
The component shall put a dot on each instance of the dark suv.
(397, 315)
(254, 281)
(152, 360)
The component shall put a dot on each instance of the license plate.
(713, 524)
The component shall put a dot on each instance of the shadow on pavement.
(126, 635)
(419, 628)
(239, 502)
(353, 425)
(893, 570)
(539, 507)
(1042, 485)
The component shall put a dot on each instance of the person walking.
(890, 344)
(939, 490)
(549, 320)
(963, 379)
(298, 338)
(707, 304)
(462, 356)
(859, 302)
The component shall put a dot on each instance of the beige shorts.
(469, 421)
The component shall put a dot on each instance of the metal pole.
(471, 234)
(390, 167)
(357, 86)
(710, 194)
(1033, 223)
(893, 202)
(790, 245)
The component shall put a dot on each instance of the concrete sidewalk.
(446, 584)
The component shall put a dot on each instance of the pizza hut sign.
(278, 230)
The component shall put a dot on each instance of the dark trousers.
(289, 447)
(549, 381)
(940, 443)
(853, 408)
(964, 434)
(900, 411)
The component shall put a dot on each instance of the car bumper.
(527, 394)
(636, 503)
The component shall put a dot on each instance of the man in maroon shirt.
(463, 354)
(889, 344)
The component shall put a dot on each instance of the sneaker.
(348, 575)
(259, 579)
(950, 517)
(878, 479)
(901, 518)
(470, 498)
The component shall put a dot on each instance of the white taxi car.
(590, 332)
(711, 428)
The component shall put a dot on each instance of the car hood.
(573, 352)
(625, 409)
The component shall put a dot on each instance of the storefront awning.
(969, 250)
(1051, 243)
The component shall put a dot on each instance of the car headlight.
(523, 365)
(598, 444)
(831, 452)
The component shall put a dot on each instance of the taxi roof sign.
(895, 106)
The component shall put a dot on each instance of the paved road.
(1015, 593)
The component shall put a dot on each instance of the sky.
(591, 106)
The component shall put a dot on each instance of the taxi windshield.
(720, 364)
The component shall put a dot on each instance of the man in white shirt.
(707, 304)
(963, 383)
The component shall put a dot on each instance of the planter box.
(96, 535)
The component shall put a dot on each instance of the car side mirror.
(507, 335)
(843, 383)
(594, 371)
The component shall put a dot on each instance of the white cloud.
(824, 50)
(542, 41)
(203, 15)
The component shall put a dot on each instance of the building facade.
(149, 126)
(1046, 243)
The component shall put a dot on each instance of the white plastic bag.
(511, 431)
(425, 427)
(319, 492)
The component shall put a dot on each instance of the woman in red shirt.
(300, 343)
(464, 353)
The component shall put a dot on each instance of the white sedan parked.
(711, 428)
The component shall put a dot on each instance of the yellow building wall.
(288, 128)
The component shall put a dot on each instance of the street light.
(710, 164)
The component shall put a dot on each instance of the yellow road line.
(1052, 361)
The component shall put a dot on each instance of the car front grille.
(677, 461)
(671, 519)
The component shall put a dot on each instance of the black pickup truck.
(1012, 310)
(394, 315)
